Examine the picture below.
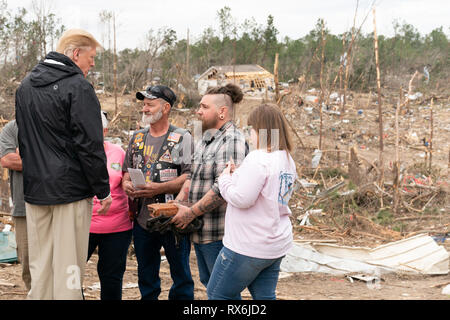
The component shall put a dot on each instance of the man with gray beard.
(157, 150)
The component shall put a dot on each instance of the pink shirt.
(116, 219)
(257, 220)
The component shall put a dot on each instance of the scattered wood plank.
(5, 265)
(440, 285)
(7, 284)
(316, 240)
(18, 293)
(415, 218)
(427, 231)
(366, 234)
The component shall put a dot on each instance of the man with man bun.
(221, 141)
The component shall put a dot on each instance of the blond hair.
(76, 38)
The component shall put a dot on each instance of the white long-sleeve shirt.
(257, 218)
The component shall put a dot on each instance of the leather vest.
(166, 167)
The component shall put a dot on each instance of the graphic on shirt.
(116, 166)
(286, 188)
(150, 154)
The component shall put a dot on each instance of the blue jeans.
(112, 260)
(147, 246)
(233, 272)
(206, 257)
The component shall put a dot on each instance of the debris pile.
(419, 254)
(340, 195)
(8, 245)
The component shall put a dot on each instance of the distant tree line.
(25, 40)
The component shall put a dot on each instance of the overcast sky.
(293, 18)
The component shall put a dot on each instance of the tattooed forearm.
(183, 195)
(209, 202)
(189, 216)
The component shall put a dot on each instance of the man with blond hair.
(64, 165)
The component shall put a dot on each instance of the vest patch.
(138, 138)
(174, 137)
(154, 170)
(166, 157)
(167, 174)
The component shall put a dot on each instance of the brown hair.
(269, 118)
(230, 90)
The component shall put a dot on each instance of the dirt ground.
(358, 131)
(291, 286)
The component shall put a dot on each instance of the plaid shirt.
(209, 160)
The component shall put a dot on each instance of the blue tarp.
(8, 247)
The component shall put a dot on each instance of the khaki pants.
(20, 225)
(58, 245)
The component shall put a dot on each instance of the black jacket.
(60, 134)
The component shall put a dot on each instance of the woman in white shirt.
(258, 231)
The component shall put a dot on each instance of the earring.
(221, 117)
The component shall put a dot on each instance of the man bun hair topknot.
(234, 92)
(231, 90)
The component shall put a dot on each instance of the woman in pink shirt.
(258, 231)
(111, 232)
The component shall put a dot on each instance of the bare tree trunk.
(278, 99)
(353, 168)
(115, 66)
(105, 18)
(396, 169)
(348, 58)
(309, 67)
(275, 72)
(234, 61)
(410, 89)
(41, 12)
(431, 135)
(380, 113)
(188, 72)
(322, 89)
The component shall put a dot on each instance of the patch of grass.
(431, 211)
(399, 227)
(334, 195)
(384, 217)
(351, 186)
(334, 172)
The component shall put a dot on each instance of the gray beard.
(149, 120)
